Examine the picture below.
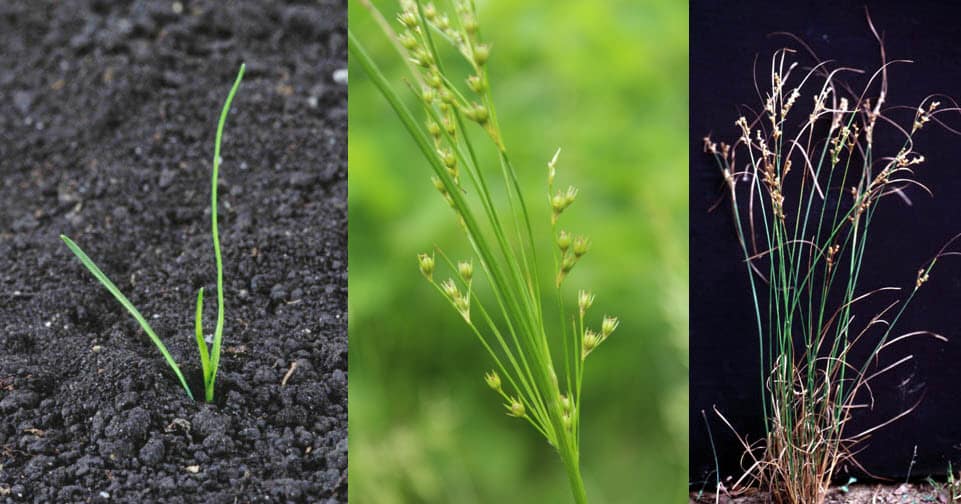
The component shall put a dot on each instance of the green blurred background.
(607, 82)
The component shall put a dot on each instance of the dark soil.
(107, 118)
(855, 494)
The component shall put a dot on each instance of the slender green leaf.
(199, 331)
(103, 279)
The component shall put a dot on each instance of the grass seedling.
(511, 326)
(209, 358)
(950, 490)
(803, 203)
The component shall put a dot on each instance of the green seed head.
(481, 54)
(567, 264)
(565, 403)
(476, 84)
(462, 303)
(433, 128)
(493, 380)
(581, 245)
(407, 18)
(450, 289)
(428, 95)
(434, 80)
(477, 113)
(515, 408)
(446, 96)
(466, 270)
(426, 263)
(564, 240)
(470, 24)
(430, 12)
(438, 184)
(407, 40)
(591, 340)
(450, 126)
(558, 203)
(584, 300)
(448, 157)
(562, 199)
(609, 325)
(423, 57)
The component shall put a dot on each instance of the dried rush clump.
(209, 359)
(804, 184)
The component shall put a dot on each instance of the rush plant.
(209, 358)
(805, 178)
(538, 366)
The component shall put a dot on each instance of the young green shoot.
(209, 358)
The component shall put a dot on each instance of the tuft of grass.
(538, 367)
(803, 203)
(209, 358)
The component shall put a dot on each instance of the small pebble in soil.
(126, 400)
(19, 399)
(207, 422)
(129, 426)
(167, 177)
(218, 444)
(152, 452)
(278, 293)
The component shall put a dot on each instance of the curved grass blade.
(109, 285)
(218, 331)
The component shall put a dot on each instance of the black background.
(725, 39)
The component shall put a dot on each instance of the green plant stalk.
(209, 360)
(535, 377)
(569, 456)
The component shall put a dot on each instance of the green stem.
(572, 464)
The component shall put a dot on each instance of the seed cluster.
(571, 248)
(511, 326)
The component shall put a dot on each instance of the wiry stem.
(814, 254)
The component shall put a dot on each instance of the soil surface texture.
(108, 112)
(921, 493)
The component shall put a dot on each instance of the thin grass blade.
(110, 286)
